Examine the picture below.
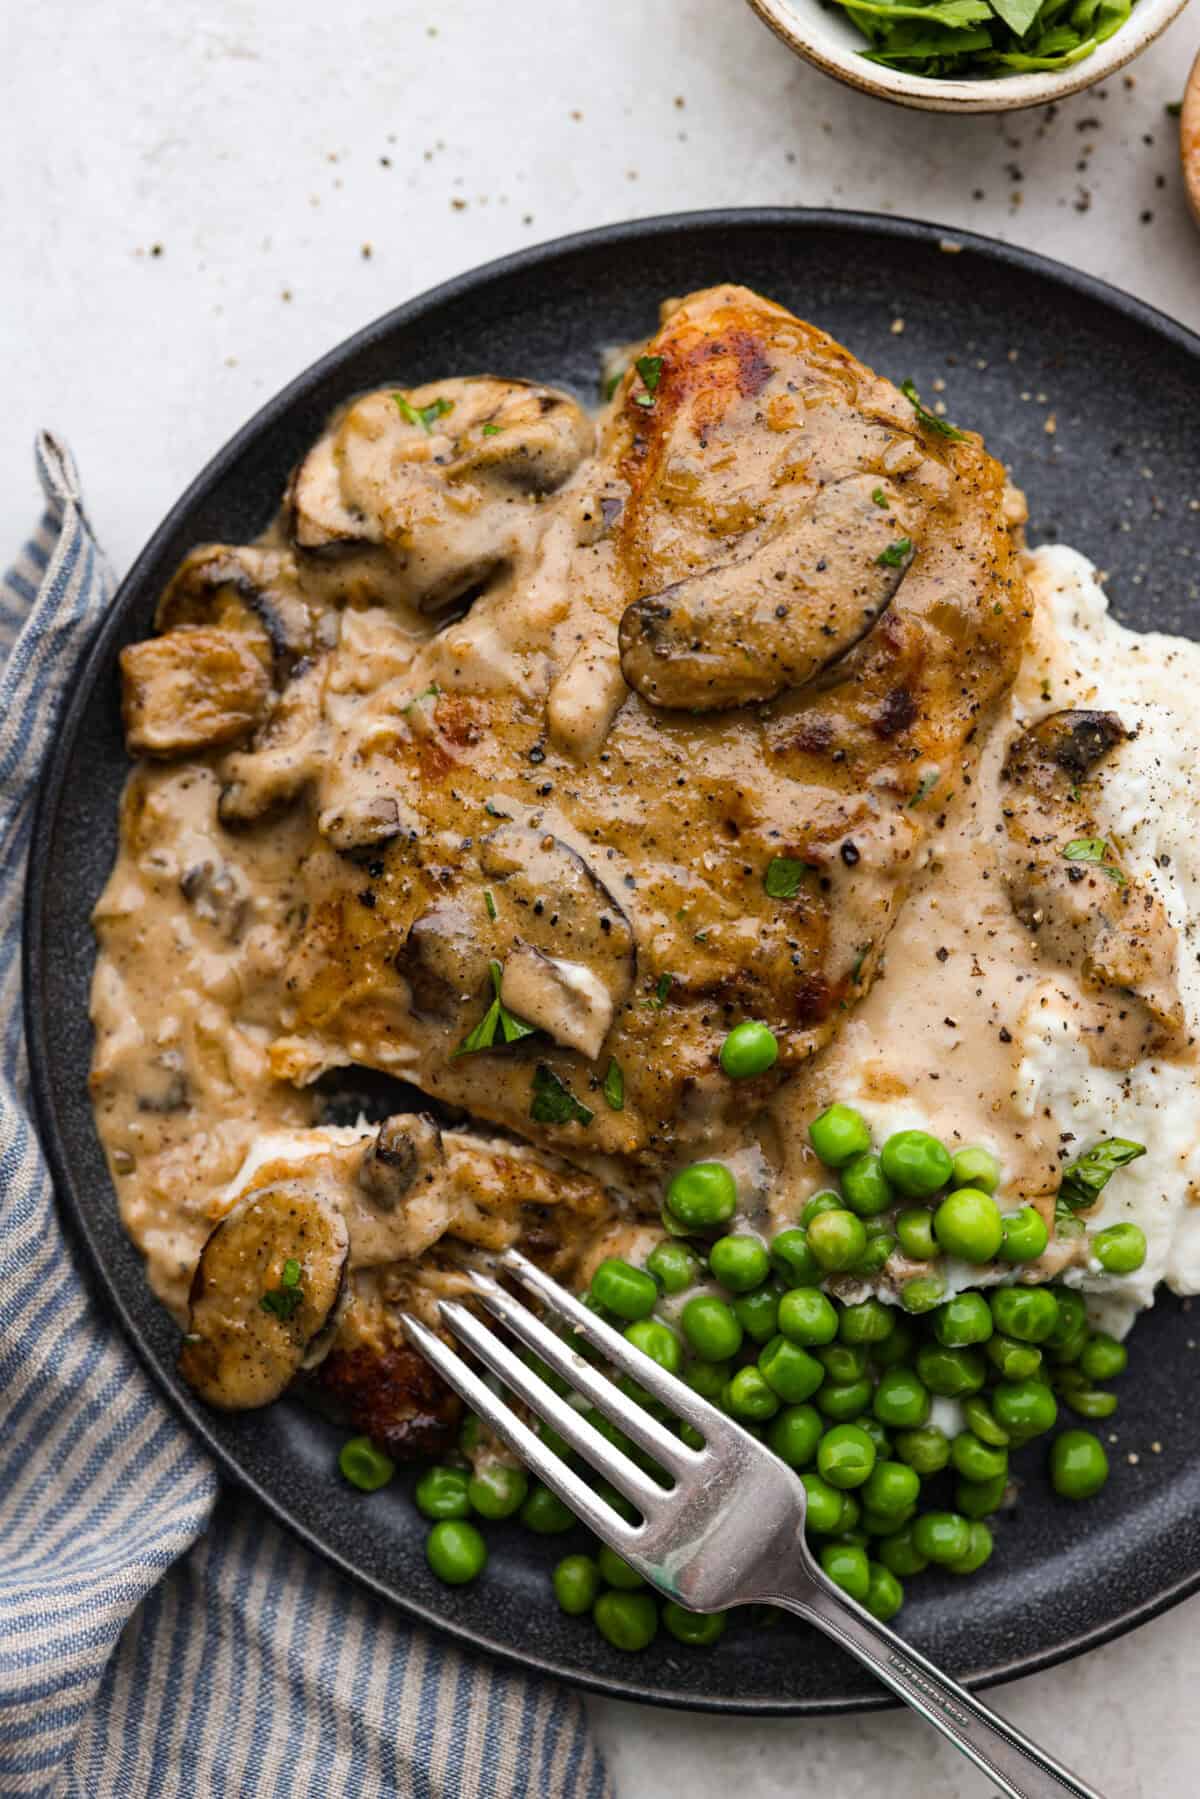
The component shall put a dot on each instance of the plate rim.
(74, 1213)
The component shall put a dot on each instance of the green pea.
(794, 1434)
(914, 1233)
(824, 1508)
(749, 1050)
(876, 1432)
(869, 1322)
(837, 1239)
(699, 1630)
(923, 1294)
(883, 1524)
(1071, 1321)
(455, 1551)
(694, 1438)
(865, 1187)
(497, 1490)
(628, 1621)
(674, 1265)
(1102, 1357)
(442, 1493)
(825, 1201)
(900, 1555)
(980, 1498)
(925, 1449)
(364, 1466)
(976, 1460)
(1027, 1313)
(1087, 1401)
(1015, 1361)
(968, 1224)
(544, 1512)
(707, 1378)
(841, 1401)
(1078, 1464)
(975, 1168)
(658, 1341)
(711, 1328)
(951, 1373)
(847, 1567)
(845, 1456)
(758, 1312)
(963, 1320)
(1121, 1249)
(629, 1292)
(1025, 1408)
(1025, 1235)
(983, 1421)
(885, 1595)
(978, 1550)
(576, 1584)
(739, 1263)
(790, 1371)
(942, 1537)
(843, 1361)
(897, 1348)
(616, 1572)
(890, 1488)
(881, 1247)
(807, 1316)
(916, 1164)
(839, 1134)
(901, 1399)
(793, 1259)
(703, 1195)
(748, 1398)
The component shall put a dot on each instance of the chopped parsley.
(930, 420)
(925, 787)
(430, 693)
(659, 997)
(498, 1027)
(284, 1299)
(553, 1102)
(785, 876)
(881, 499)
(1086, 1177)
(894, 555)
(974, 38)
(860, 956)
(492, 430)
(423, 416)
(650, 369)
(614, 1087)
(489, 902)
(1096, 850)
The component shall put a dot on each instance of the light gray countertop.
(202, 196)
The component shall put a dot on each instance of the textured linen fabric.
(155, 1638)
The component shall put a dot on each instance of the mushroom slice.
(1066, 880)
(240, 588)
(442, 959)
(191, 690)
(285, 755)
(573, 957)
(405, 1149)
(265, 1289)
(796, 603)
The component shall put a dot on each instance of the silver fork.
(728, 1531)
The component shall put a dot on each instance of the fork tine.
(583, 1437)
(595, 1512)
(713, 1425)
(634, 1420)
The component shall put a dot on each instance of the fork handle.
(1019, 1769)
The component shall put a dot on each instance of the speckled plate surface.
(1093, 398)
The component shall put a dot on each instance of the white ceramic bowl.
(825, 37)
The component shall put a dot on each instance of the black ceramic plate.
(1014, 339)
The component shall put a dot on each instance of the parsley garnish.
(614, 1087)
(785, 876)
(423, 416)
(659, 997)
(497, 1018)
(650, 369)
(489, 902)
(930, 420)
(430, 693)
(861, 954)
(893, 556)
(881, 499)
(553, 1102)
(925, 787)
(492, 430)
(284, 1299)
(1093, 849)
(1086, 1177)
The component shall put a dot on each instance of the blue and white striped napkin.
(155, 1638)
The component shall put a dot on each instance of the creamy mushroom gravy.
(977, 1026)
